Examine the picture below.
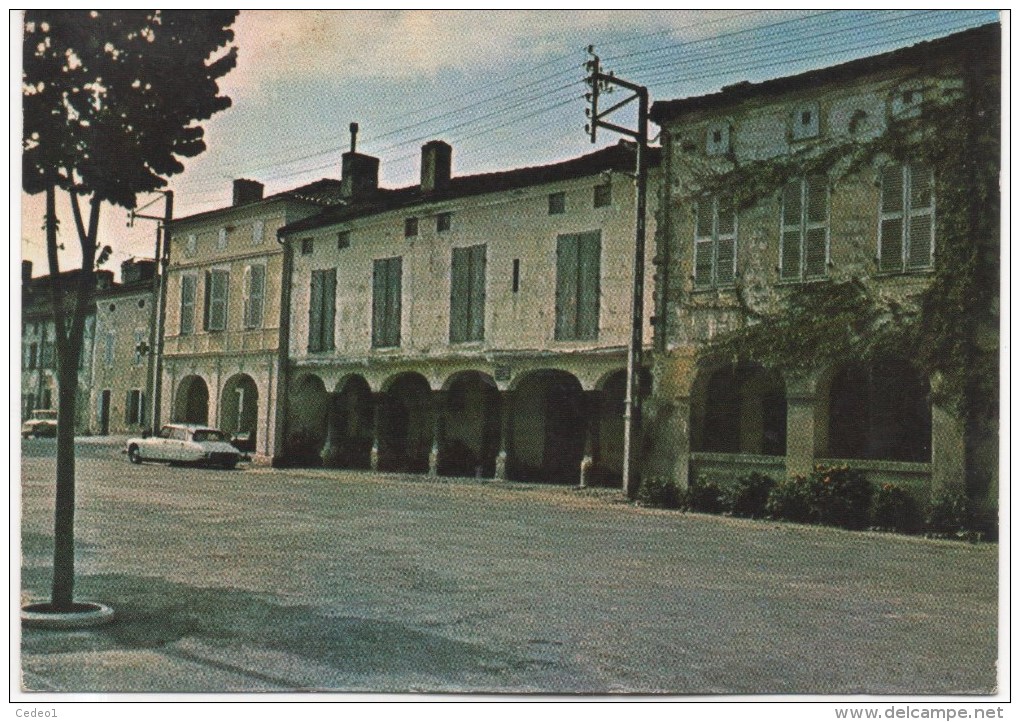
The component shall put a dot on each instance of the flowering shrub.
(895, 509)
(705, 494)
(748, 496)
(842, 496)
(792, 499)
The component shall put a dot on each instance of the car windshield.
(47, 415)
(209, 435)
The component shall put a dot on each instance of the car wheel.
(229, 464)
(133, 456)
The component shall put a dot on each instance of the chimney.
(247, 191)
(137, 269)
(436, 161)
(359, 173)
(26, 271)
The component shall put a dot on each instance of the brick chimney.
(436, 163)
(359, 172)
(247, 191)
(137, 269)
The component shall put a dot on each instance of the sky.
(504, 88)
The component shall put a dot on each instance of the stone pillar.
(331, 449)
(439, 404)
(806, 423)
(376, 429)
(504, 435)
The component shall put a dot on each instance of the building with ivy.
(827, 273)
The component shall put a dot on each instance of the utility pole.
(600, 82)
(162, 258)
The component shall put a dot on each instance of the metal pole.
(162, 263)
(632, 412)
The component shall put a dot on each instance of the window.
(578, 261)
(343, 240)
(557, 204)
(602, 195)
(258, 232)
(410, 227)
(141, 303)
(322, 310)
(189, 286)
(134, 409)
(906, 235)
(216, 283)
(715, 242)
(110, 342)
(254, 289)
(307, 246)
(192, 246)
(517, 275)
(804, 241)
(467, 294)
(717, 139)
(139, 341)
(804, 121)
(221, 239)
(386, 291)
(443, 222)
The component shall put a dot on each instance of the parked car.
(185, 444)
(42, 422)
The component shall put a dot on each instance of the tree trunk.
(63, 526)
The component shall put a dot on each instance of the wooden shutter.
(726, 253)
(246, 296)
(208, 300)
(566, 287)
(890, 238)
(127, 407)
(328, 311)
(816, 233)
(459, 294)
(703, 242)
(589, 285)
(188, 289)
(393, 300)
(919, 242)
(257, 295)
(789, 260)
(217, 295)
(315, 313)
(476, 331)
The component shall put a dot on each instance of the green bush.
(842, 496)
(895, 509)
(704, 494)
(659, 491)
(792, 499)
(749, 496)
(949, 514)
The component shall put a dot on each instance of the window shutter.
(919, 243)
(218, 300)
(328, 313)
(208, 300)
(789, 262)
(891, 245)
(188, 284)
(246, 296)
(477, 315)
(588, 282)
(726, 254)
(892, 189)
(393, 300)
(566, 287)
(315, 313)
(817, 199)
(258, 295)
(703, 262)
(705, 208)
(814, 252)
(127, 407)
(459, 294)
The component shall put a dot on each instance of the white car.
(42, 422)
(185, 444)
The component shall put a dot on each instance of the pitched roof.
(323, 192)
(619, 157)
(979, 37)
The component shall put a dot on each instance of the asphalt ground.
(270, 580)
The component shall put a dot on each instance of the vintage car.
(185, 444)
(42, 422)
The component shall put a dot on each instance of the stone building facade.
(733, 253)
(473, 325)
(221, 362)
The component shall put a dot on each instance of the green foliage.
(659, 491)
(792, 499)
(843, 496)
(705, 494)
(895, 509)
(949, 514)
(748, 496)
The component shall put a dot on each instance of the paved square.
(261, 579)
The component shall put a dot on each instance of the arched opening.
(879, 411)
(406, 424)
(470, 426)
(191, 405)
(548, 428)
(609, 404)
(239, 410)
(351, 421)
(740, 410)
(306, 427)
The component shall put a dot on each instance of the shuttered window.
(578, 270)
(134, 407)
(254, 295)
(467, 294)
(322, 310)
(906, 234)
(715, 242)
(216, 283)
(804, 235)
(386, 290)
(189, 286)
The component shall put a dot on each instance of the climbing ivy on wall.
(950, 330)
